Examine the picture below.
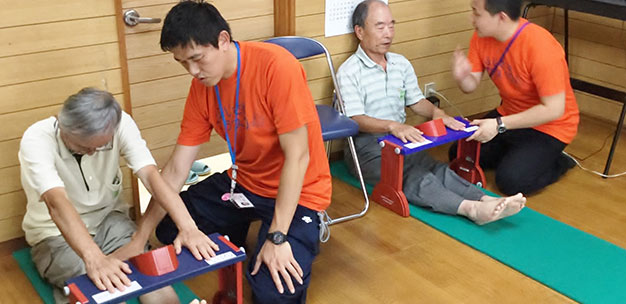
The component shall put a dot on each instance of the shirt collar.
(367, 61)
(63, 150)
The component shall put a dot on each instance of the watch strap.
(500, 127)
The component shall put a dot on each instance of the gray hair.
(90, 112)
(360, 12)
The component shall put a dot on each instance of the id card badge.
(239, 199)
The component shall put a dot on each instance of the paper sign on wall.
(338, 16)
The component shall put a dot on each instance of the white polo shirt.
(47, 163)
(367, 89)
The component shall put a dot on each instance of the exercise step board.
(82, 290)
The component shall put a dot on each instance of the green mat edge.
(44, 290)
(605, 290)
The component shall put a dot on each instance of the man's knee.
(264, 290)
(119, 225)
(511, 183)
(57, 262)
(274, 297)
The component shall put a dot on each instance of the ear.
(502, 16)
(223, 40)
(358, 31)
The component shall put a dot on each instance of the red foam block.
(156, 262)
(433, 128)
(75, 295)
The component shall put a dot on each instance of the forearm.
(165, 200)
(426, 109)
(549, 109)
(70, 224)
(369, 124)
(295, 146)
(468, 84)
(149, 221)
(289, 189)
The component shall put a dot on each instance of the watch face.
(277, 237)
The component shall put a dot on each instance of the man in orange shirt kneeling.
(523, 139)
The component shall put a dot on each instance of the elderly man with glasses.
(75, 218)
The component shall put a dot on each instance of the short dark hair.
(192, 21)
(360, 13)
(513, 8)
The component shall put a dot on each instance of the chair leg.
(363, 189)
(329, 148)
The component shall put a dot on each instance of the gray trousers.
(57, 262)
(426, 182)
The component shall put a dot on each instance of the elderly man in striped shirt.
(376, 86)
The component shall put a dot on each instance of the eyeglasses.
(107, 147)
(76, 148)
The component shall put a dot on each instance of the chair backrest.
(304, 47)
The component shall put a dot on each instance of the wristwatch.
(277, 237)
(501, 126)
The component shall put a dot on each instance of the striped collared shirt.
(367, 89)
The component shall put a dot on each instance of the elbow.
(558, 115)
(557, 112)
(468, 84)
(466, 90)
(304, 159)
(50, 198)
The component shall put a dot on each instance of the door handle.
(132, 18)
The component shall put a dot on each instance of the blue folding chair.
(335, 123)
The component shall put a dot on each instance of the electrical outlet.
(429, 89)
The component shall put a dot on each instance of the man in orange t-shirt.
(255, 96)
(523, 139)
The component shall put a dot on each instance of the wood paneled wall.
(48, 51)
(597, 53)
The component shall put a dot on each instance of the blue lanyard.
(506, 50)
(232, 149)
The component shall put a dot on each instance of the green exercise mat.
(44, 289)
(570, 261)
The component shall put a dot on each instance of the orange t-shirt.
(534, 67)
(273, 99)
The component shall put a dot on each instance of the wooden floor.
(383, 258)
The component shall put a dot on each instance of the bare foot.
(487, 211)
(514, 204)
